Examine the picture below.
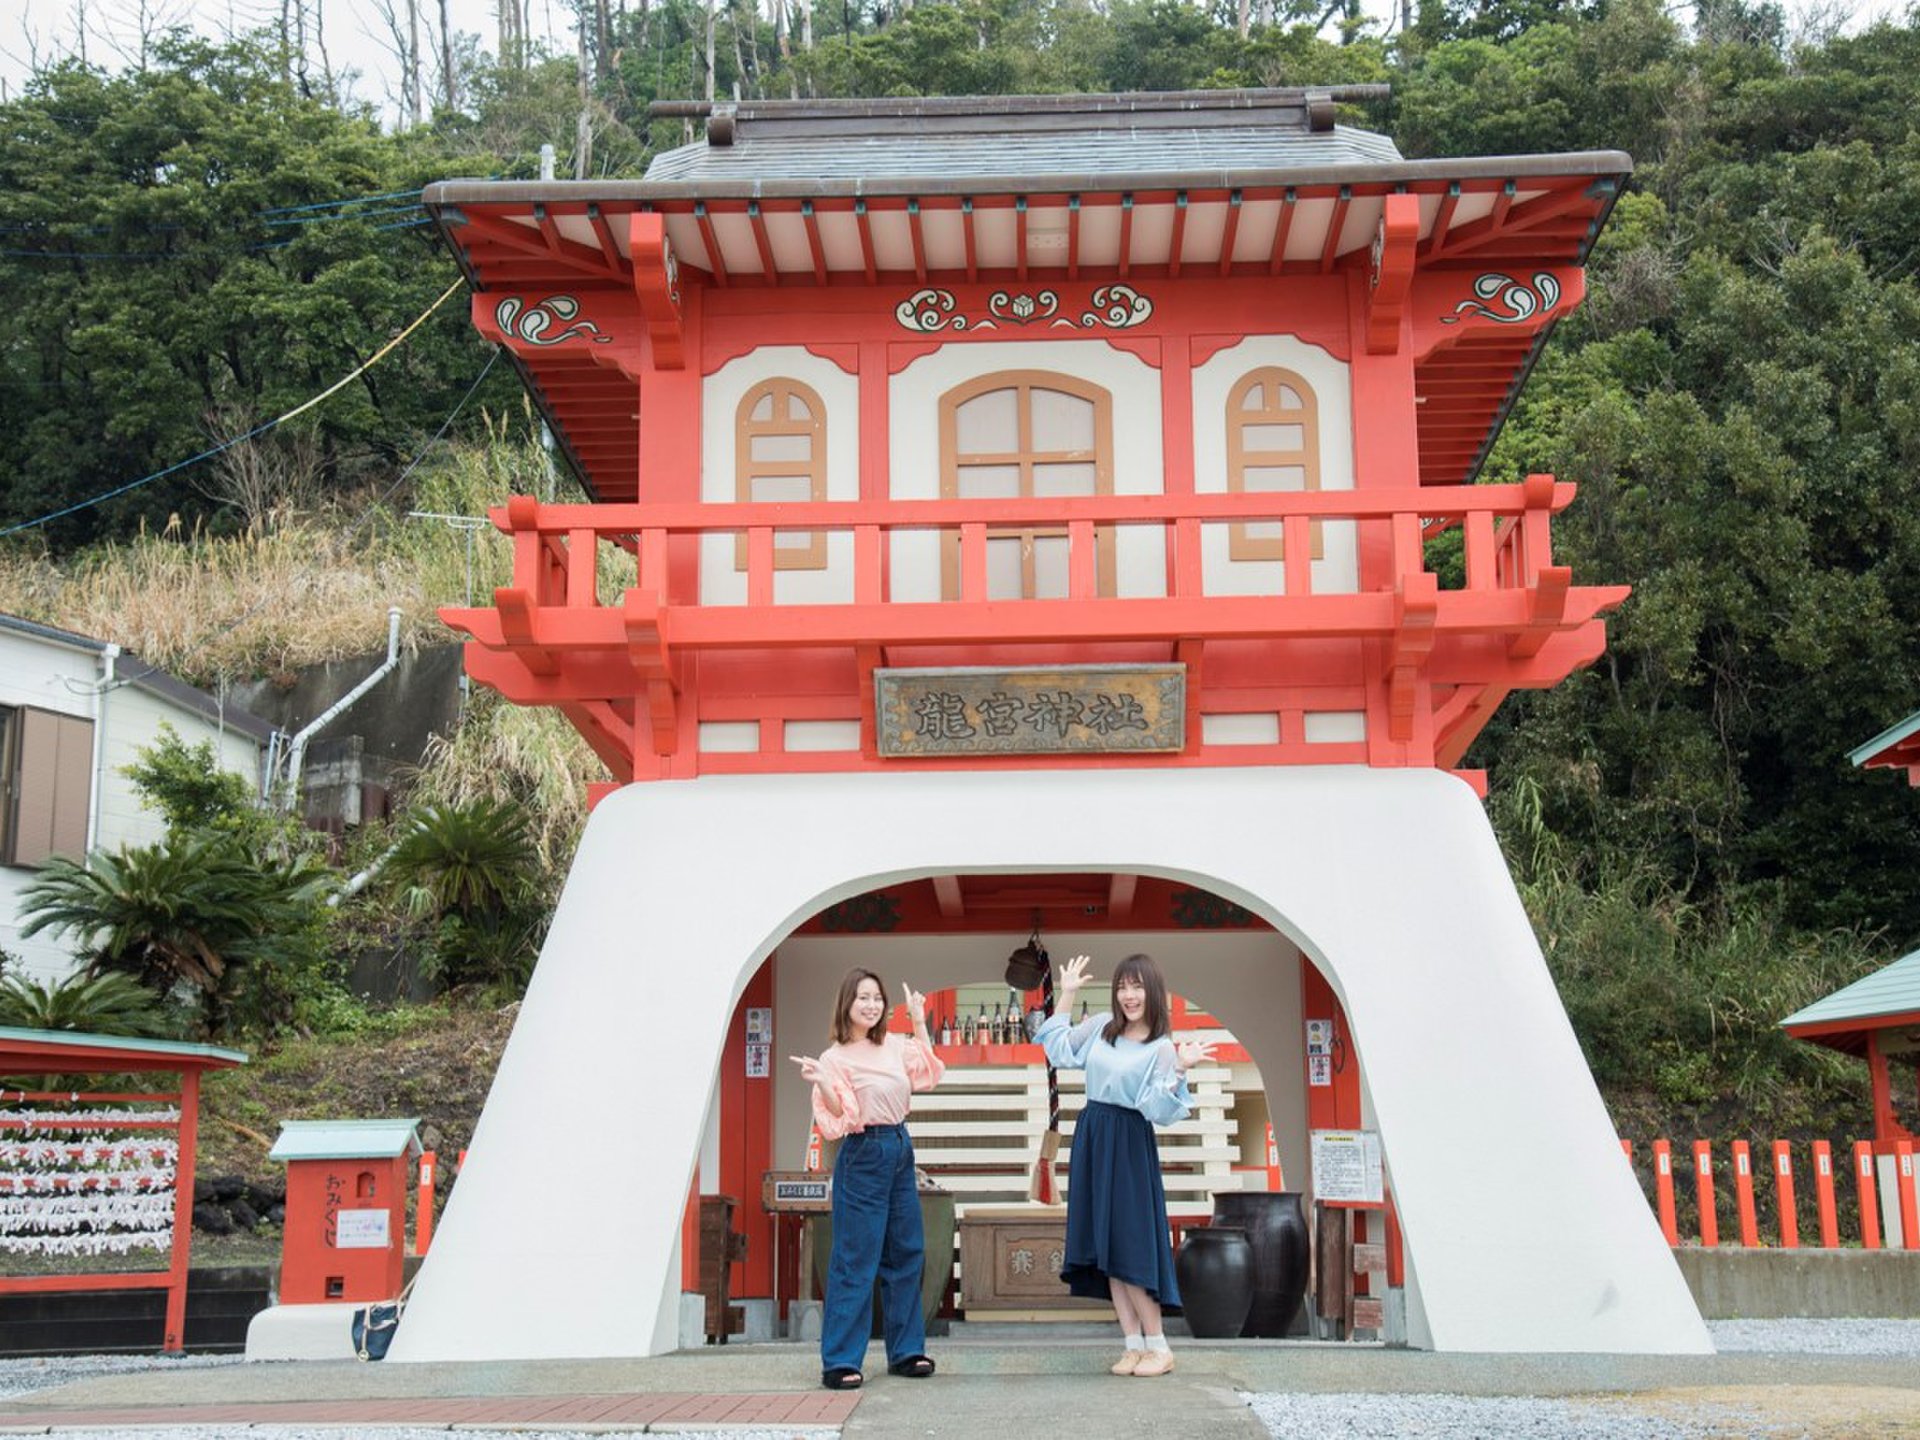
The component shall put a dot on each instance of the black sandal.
(914, 1367)
(841, 1377)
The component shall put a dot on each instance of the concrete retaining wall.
(1731, 1284)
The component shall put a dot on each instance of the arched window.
(1026, 433)
(780, 453)
(1273, 444)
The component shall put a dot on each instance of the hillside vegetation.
(199, 245)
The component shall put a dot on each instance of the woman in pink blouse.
(862, 1086)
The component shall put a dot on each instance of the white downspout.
(109, 659)
(297, 747)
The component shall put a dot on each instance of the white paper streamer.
(102, 1119)
(90, 1193)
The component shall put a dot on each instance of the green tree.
(106, 1004)
(470, 871)
(193, 248)
(194, 913)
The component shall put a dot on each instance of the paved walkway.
(984, 1389)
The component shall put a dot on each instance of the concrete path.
(984, 1389)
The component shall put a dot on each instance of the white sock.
(1158, 1342)
(1134, 1342)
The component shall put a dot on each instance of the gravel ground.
(1818, 1337)
(1462, 1417)
(1666, 1416)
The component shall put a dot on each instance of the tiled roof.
(946, 155)
(936, 140)
(1892, 990)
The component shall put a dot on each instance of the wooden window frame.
(1025, 458)
(783, 389)
(46, 785)
(1242, 545)
(12, 721)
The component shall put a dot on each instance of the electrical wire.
(366, 515)
(261, 429)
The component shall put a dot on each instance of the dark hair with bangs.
(1158, 1015)
(849, 988)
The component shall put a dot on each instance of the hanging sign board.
(805, 1192)
(1346, 1167)
(1058, 710)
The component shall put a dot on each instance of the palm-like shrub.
(106, 1004)
(195, 910)
(472, 870)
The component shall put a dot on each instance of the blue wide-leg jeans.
(876, 1231)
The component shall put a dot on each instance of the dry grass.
(530, 758)
(298, 589)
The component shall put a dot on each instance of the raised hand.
(1073, 975)
(1193, 1052)
(916, 1005)
(809, 1068)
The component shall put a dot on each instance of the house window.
(1273, 444)
(46, 769)
(780, 454)
(1026, 434)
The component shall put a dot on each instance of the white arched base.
(1524, 1230)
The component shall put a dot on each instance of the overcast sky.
(354, 29)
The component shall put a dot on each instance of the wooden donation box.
(1010, 1258)
(346, 1228)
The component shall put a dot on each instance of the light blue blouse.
(1140, 1076)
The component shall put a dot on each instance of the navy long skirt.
(1117, 1207)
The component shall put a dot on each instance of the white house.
(74, 713)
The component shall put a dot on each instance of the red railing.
(1765, 1205)
(1510, 581)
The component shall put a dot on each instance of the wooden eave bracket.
(656, 282)
(517, 630)
(1546, 610)
(1416, 607)
(645, 619)
(1395, 244)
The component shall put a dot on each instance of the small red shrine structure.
(114, 1169)
(1895, 748)
(1013, 505)
(1877, 1018)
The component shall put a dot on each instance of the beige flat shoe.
(1154, 1362)
(1127, 1362)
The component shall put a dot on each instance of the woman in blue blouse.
(1117, 1245)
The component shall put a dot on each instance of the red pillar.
(746, 1140)
(1703, 1191)
(423, 1204)
(1823, 1195)
(1783, 1195)
(1743, 1195)
(189, 1133)
(1869, 1201)
(1903, 1187)
(1663, 1190)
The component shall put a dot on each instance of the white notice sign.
(360, 1230)
(1346, 1167)
(1319, 1070)
(759, 1025)
(758, 1057)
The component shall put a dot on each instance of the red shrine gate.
(1089, 457)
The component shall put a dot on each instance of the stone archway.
(1524, 1231)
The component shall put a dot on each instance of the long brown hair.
(1158, 1013)
(849, 988)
